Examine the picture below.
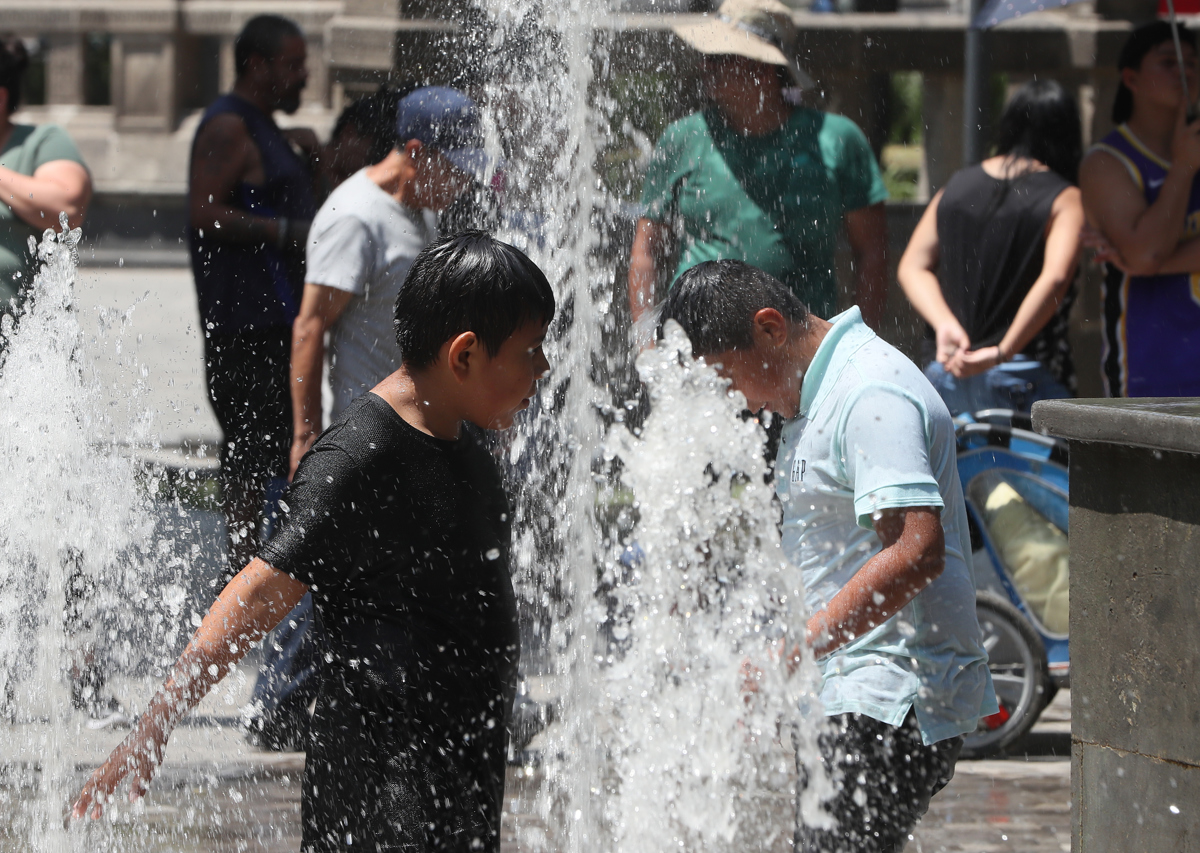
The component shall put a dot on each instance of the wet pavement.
(141, 329)
(217, 794)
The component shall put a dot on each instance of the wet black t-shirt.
(404, 541)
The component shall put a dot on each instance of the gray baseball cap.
(445, 119)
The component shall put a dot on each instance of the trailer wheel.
(1020, 674)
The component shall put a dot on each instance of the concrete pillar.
(1135, 620)
(1104, 83)
(862, 98)
(941, 110)
(316, 93)
(144, 96)
(226, 63)
(64, 68)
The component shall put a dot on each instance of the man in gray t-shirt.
(361, 245)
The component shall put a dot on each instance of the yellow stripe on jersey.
(1137, 143)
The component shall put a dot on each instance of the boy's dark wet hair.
(715, 303)
(263, 36)
(1140, 42)
(468, 282)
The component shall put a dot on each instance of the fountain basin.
(1135, 620)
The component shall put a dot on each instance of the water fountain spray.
(659, 743)
(74, 527)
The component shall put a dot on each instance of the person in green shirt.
(754, 178)
(42, 174)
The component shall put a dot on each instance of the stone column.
(1135, 620)
(316, 93)
(1103, 83)
(64, 68)
(227, 63)
(144, 95)
(941, 110)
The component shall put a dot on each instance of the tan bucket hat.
(761, 30)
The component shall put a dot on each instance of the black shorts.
(247, 377)
(379, 775)
(884, 778)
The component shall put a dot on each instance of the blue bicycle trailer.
(1015, 485)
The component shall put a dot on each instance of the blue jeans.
(1016, 385)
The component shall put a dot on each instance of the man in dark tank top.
(250, 204)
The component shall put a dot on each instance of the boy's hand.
(138, 756)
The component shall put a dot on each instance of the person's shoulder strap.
(226, 103)
(967, 181)
(1049, 184)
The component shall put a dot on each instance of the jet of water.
(703, 691)
(74, 523)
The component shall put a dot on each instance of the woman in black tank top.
(992, 263)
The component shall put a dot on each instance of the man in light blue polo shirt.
(873, 515)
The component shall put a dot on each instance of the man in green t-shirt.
(753, 178)
(42, 174)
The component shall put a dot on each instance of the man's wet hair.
(715, 303)
(468, 282)
(263, 36)
(1140, 42)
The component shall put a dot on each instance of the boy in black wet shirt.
(398, 524)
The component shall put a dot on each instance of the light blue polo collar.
(848, 334)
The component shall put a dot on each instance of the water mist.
(677, 709)
(75, 525)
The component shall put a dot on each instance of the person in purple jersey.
(1140, 191)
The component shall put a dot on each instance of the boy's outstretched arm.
(913, 555)
(252, 604)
